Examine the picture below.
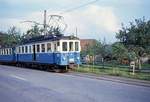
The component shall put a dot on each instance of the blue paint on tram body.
(57, 51)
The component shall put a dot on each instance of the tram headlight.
(64, 58)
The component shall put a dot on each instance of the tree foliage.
(33, 32)
(99, 50)
(11, 38)
(119, 51)
(136, 36)
(3, 37)
(138, 33)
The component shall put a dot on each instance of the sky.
(98, 20)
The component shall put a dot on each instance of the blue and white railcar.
(61, 51)
(7, 55)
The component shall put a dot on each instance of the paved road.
(117, 79)
(26, 85)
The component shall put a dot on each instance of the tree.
(3, 37)
(13, 37)
(137, 34)
(119, 51)
(136, 37)
(33, 32)
(91, 50)
(98, 50)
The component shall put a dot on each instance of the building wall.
(85, 43)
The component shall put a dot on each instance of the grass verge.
(114, 71)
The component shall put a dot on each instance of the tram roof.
(47, 38)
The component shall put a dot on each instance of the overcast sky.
(96, 21)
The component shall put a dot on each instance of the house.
(85, 43)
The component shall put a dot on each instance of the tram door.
(34, 53)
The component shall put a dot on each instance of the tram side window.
(4, 51)
(43, 47)
(19, 49)
(22, 49)
(64, 46)
(58, 44)
(7, 51)
(38, 48)
(49, 47)
(70, 46)
(76, 46)
(29, 49)
(10, 51)
(55, 47)
(26, 49)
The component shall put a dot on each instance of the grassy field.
(113, 71)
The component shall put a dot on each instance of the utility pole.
(45, 22)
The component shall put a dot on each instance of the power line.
(78, 7)
(69, 10)
(31, 22)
